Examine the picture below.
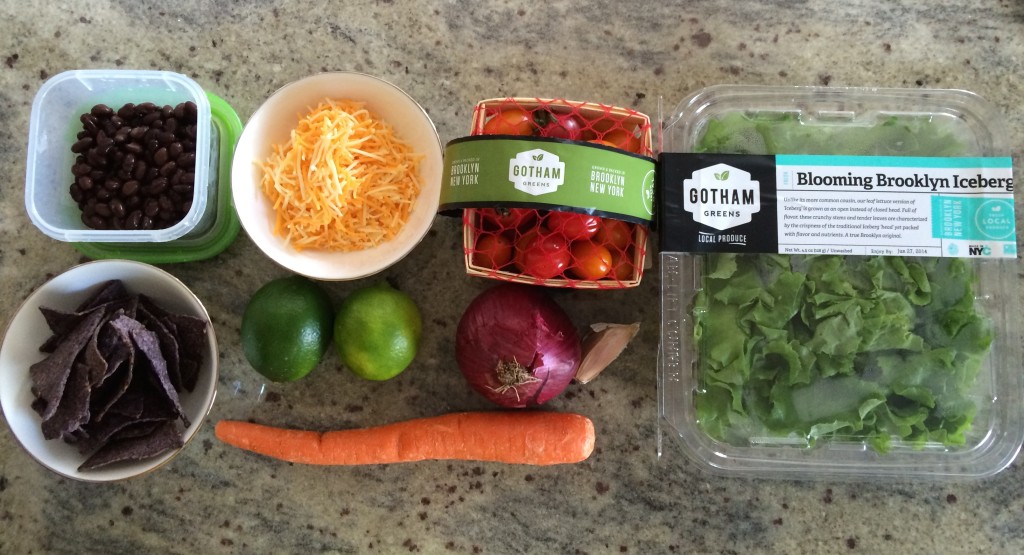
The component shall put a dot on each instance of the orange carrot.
(529, 437)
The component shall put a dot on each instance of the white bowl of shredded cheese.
(337, 176)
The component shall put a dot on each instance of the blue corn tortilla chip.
(108, 291)
(110, 389)
(168, 344)
(148, 344)
(61, 323)
(50, 375)
(164, 438)
(73, 408)
(193, 342)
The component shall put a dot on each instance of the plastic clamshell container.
(54, 123)
(752, 449)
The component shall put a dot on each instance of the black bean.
(165, 202)
(170, 125)
(140, 169)
(103, 210)
(179, 111)
(96, 159)
(127, 111)
(160, 156)
(108, 127)
(134, 220)
(183, 189)
(134, 148)
(130, 187)
(151, 207)
(102, 110)
(85, 182)
(168, 169)
(128, 163)
(187, 160)
(186, 206)
(157, 186)
(89, 123)
(165, 138)
(151, 118)
(76, 193)
(122, 134)
(138, 132)
(80, 169)
(147, 222)
(82, 145)
(174, 150)
(103, 194)
(117, 208)
(165, 214)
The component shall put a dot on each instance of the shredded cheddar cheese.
(343, 181)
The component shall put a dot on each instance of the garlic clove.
(602, 346)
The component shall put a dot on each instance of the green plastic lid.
(221, 232)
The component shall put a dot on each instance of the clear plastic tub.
(54, 123)
(923, 410)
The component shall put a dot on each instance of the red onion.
(517, 347)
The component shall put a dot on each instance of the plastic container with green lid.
(841, 324)
(120, 146)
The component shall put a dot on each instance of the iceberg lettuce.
(872, 349)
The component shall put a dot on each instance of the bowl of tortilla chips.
(108, 370)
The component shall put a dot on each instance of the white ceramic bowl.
(27, 330)
(272, 124)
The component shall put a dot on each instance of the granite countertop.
(449, 55)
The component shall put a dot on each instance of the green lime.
(286, 328)
(377, 331)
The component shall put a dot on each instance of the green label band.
(487, 171)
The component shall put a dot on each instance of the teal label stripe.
(892, 161)
(483, 171)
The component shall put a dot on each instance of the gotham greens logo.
(536, 172)
(721, 196)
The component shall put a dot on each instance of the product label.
(855, 205)
(488, 171)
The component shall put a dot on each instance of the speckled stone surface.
(448, 55)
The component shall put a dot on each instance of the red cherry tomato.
(590, 261)
(510, 121)
(614, 234)
(542, 255)
(573, 226)
(493, 250)
(508, 218)
(562, 126)
(622, 266)
(621, 138)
